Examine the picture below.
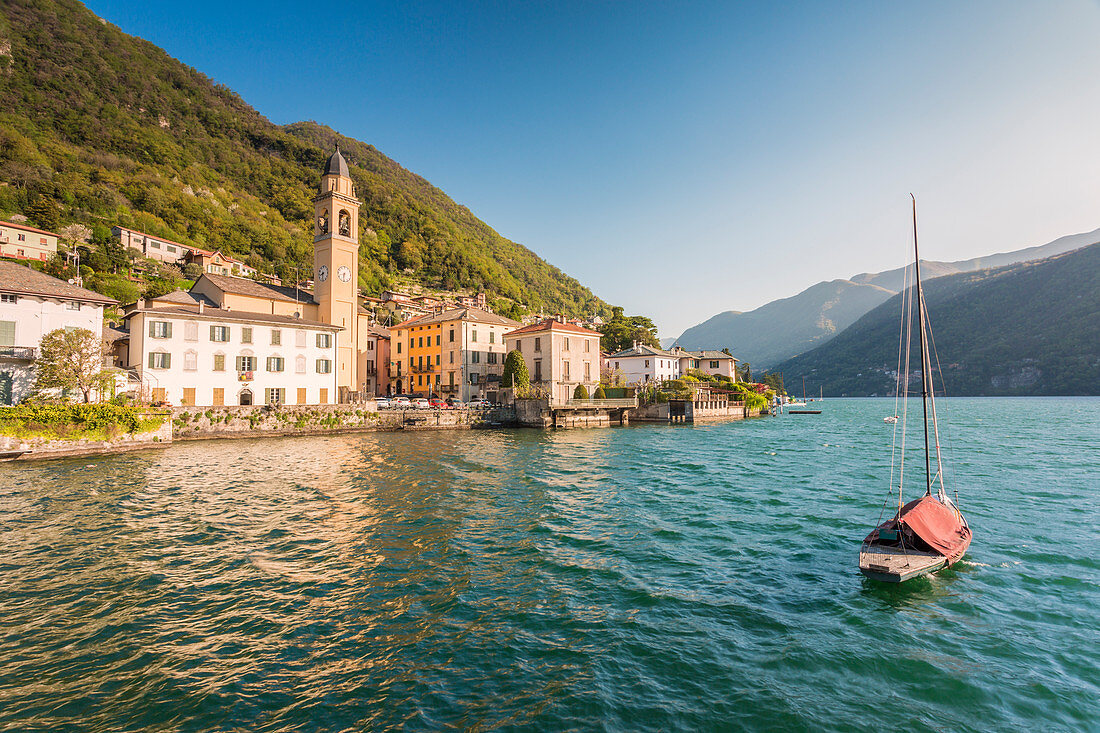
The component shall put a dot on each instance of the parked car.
(457, 405)
(401, 403)
(421, 403)
(438, 404)
(383, 403)
(479, 404)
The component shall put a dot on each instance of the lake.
(640, 578)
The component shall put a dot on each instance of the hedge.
(68, 421)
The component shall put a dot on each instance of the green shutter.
(168, 330)
(7, 333)
(151, 324)
(212, 334)
(150, 359)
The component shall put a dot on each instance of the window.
(475, 357)
(452, 357)
(276, 337)
(300, 339)
(190, 331)
(420, 361)
(246, 334)
(190, 360)
(492, 357)
(8, 298)
(246, 363)
(274, 363)
(188, 396)
(160, 329)
(538, 370)
(473, 335)
(565, 344)
(647, 363)
(587, 370)
(160, 360)
(492, 337)
(219, 362)
(154, 245)
(587, 344)
(412, 342)
(714, 364)
(565, 370)
(324, 341)
(170, 248)
(219, 396)
(398, 347)
(73, 305)
(324, 366)
(7, 333)
(370, 346)
(452, 337)
(219, 333)
(275, 396)
(22, 238)
(421, 344)
(438, 339)
(451, 379)
(299, 364)
(538, 344)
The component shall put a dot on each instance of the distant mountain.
(784, 328)
(100, 128)
(1024, 329)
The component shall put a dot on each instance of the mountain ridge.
(802, 322)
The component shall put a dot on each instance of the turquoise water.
(643, 578)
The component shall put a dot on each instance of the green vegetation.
(72, 359)
(1027, 329)
(599, 394)
(72, 422)
(100, 128)
(515, 373)
(620, 332)
(580, 393)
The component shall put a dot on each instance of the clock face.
(344, 273)
(322, 273)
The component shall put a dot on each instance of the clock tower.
(336, 264)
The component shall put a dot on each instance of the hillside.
(1024, 329)
(99, 127)
(817, 314)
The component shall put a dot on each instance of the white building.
(717, 363)
(559, 357)
(157, 248)
(641, 364)
(31, 305)
(191, 354)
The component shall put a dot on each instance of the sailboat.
(928, 533)
(802, 404)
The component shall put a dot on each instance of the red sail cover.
(937, 525)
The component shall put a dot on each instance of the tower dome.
(336, 165)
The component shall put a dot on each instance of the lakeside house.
(641, 364)
(456, 353)
(155, 248)
(32, 304)
(560, 356)
(21, 242)
(715, 363)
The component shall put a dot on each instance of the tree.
(43, 212)
(744, 372)
(599, 394)
(72, 359)
(192, 271)
(75, 234)
(580, 393)
(622, 331)
(515, 373)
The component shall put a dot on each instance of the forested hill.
(1027, 329)
(99, 127)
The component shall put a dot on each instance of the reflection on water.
(638, 578)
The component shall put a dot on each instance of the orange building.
(416, 353)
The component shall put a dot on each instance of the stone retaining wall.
(198, 423)
(37, 448)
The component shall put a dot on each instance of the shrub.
(599, 394)
(580, 393)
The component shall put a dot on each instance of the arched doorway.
(245, 397)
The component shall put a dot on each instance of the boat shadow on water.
(918, 591)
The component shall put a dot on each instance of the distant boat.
(928, 533)
(890, 419)
(802, 404)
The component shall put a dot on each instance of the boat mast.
(923, 354)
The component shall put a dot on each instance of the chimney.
(202, 306)
(635, 345)
(141, 303)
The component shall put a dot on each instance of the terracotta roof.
(379, 331)
(26, 228)
(459, 314)
(242, 286)
(217, 314)
(16, 278)
(182, 297)
(551, 325)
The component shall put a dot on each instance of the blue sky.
(683, 159)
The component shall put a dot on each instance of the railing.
(621, 402)
(23, 353)
(428, 369)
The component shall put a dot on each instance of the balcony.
(18, 353)
(426, 369)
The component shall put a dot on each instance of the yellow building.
(457, 353)
(22, 242)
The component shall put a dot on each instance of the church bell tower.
(336, 264)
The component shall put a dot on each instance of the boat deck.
(892, 565)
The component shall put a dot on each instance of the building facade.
(21, 242)
(32, 304)
(458, 353)
(641, 364)
(716, 363)
(156, 248)
(559, 357)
